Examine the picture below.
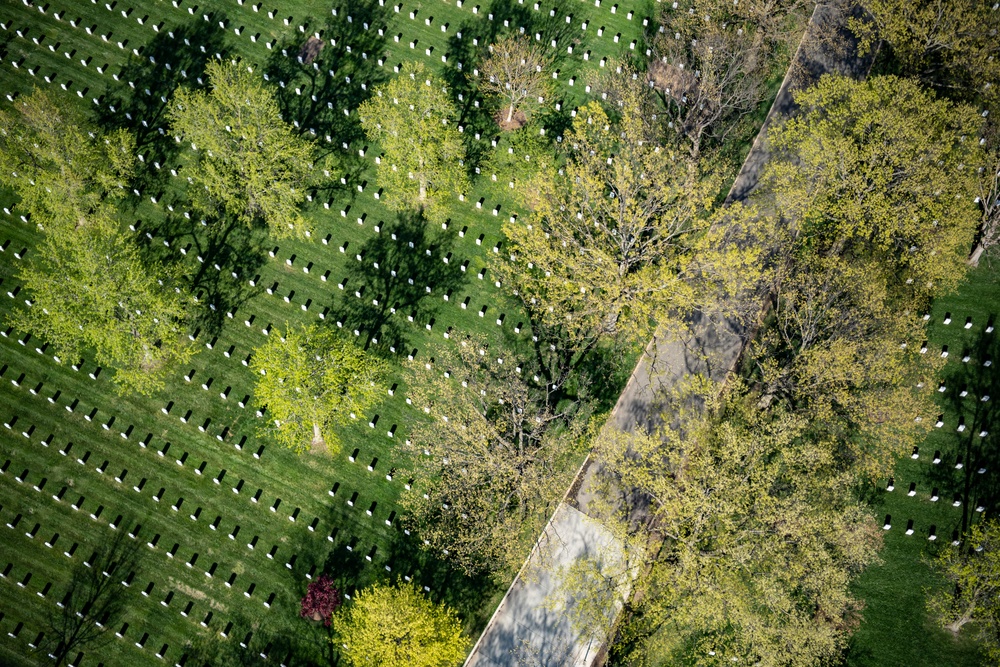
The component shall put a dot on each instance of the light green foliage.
(874, 184)
(63, 171)
(882, 168)
(492, 458)
(607, 252)
(92, 289)
(250, 163)
(949, 44)
(411, 119)
(386, 626)
(760, 540)
(311, 381)
(973, 570)
(840, 352)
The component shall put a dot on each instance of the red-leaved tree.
(320, 601)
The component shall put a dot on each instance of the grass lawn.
(896, 629)
(76, 437)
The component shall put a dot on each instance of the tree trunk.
(976, 254)
(510, 113)
(317, 436)
(957, 625)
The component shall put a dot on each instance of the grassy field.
(198, 440)
(896, 628)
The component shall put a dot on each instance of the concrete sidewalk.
(531, 626)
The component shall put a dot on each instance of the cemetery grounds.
(235, 527)
(943, 483)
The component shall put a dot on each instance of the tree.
(60, 168)
(411, 119)
(949, 44)
(873, 186)
(390, 626)
(491, 460)
(320, 601)
(95, 599)
(250, 163)
(973, 570)
(91, 288)
(882, 169)
(777, 21)
(759, 538)
(518, 167)
(989, 196)
(711, 75)
(609, 249)
(711, 62)
(312, 381)
(515, 73)
(839, 351)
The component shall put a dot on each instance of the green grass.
(300, 481)
(896, 629)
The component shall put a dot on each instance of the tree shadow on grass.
(976, 483)
(252, 642)
(316, 80)
(226, 254)
(447, 584)
(391, 280)
(138, 100)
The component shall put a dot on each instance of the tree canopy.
(411, 118)
(311, 381)
(491, 459)
(759, 539)
(609, 249)
(320, 601)
(396, 626)
(92, 289)
(710, 74)
(973, 571)
(515, 73)
(882, 166)
(63, 171)
(249, 163)
(872, 186)
(951, 45)
(518, 167)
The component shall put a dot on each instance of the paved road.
(526, 630)
(531, 627)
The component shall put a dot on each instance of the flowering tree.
(320, 601)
